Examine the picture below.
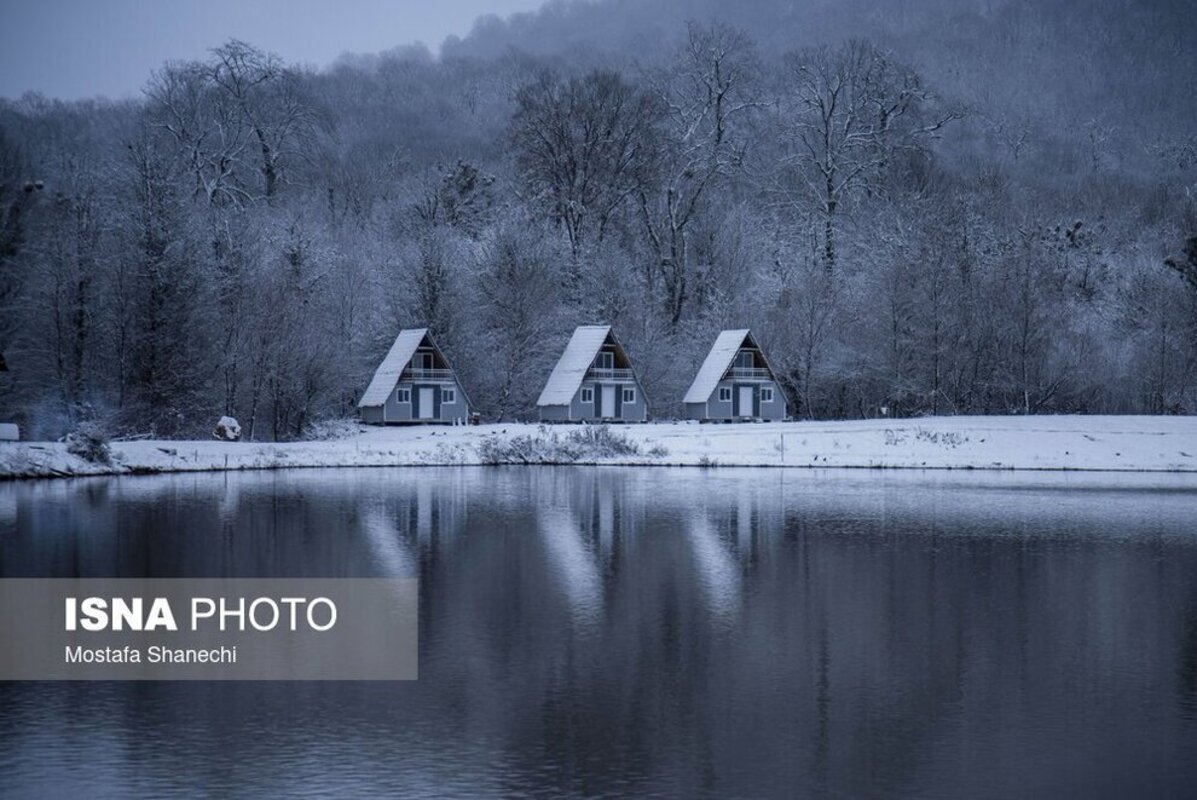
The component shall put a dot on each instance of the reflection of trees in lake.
(726, 631)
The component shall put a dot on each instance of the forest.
(918, 207)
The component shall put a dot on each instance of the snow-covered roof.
(571, 368)
(718, 360)
(388, 372)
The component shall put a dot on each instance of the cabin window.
(724, 394)
(605, 360)
(449, 395)
(588, 395)
(424, 360)
(629, 395)
(403, 395)
(766, 394)
(744, 359)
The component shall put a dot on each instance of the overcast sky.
(81, 48)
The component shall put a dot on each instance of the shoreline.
(1130, 444)
(144, 472)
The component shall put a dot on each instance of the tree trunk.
(829, 206)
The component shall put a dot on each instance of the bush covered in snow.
(227, 430)
(523, 449)
(588, 443)
(602, 442)
(89, 442)
(331, 429)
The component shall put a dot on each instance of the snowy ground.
(1157, 444)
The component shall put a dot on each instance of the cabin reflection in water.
(778, 632)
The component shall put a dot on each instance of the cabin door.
(427, 402)
(745, 401)
(608, 401)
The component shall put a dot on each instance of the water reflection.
(571, 563)
(652, 632)
(715, 568)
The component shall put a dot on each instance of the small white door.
(426, 401)
(745, 401)
(608, 401)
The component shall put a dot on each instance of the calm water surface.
(677, 633)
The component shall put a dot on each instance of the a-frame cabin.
(593, 381)
(735, 383)
(414, 384)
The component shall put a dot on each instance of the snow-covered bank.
(1155, 444)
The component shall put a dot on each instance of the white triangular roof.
(571, 368)
(718, 360)
(388, 372)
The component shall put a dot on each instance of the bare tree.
(430, 271)
(18, 192)
(848, 111)
(518, 297)
(461, 198)
(582, 146)
(206, 130)
(272, 103)
(241, 112)
(169, 353)
(71, 266)
(804, 315)
(704, 93)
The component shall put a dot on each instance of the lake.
(650, 632)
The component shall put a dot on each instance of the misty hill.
(1119, 61)
(922, 207)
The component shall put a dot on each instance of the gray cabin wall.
(716, 408)
(636, 411)
(458, 410)
(775, 410)
(554, 413)
(722, 409)
(577, 411)
(394, 411)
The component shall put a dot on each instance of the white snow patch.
(1130, 443)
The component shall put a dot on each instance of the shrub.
(89, 442)
(330, 429)
(588, 443)
(602, 442)
(227, 430)
(946, 438)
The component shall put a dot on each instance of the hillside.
(998, 215)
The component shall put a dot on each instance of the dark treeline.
(921, 207)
